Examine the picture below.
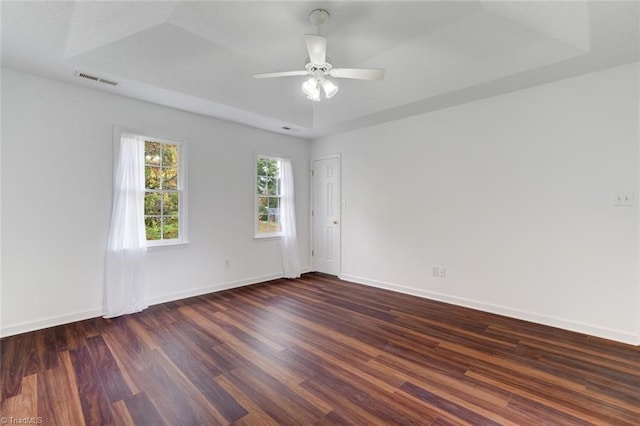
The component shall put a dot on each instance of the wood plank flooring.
(315, 351)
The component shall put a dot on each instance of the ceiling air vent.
(94, 78)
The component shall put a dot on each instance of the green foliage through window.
(162, 197)
(268, 195)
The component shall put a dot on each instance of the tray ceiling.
(200, 56)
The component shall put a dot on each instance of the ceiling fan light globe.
(311, 89)
(314, 97)
(329, 88)
(310, 86)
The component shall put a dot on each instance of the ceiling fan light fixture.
(311, 89)
(329, 88)
(317, 85)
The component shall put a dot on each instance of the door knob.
(335, 222)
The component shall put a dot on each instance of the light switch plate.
(624, 199)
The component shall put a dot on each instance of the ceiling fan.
(319, 67)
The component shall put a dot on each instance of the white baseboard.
(49, 322)
(40, 324)
(172, 297)
(617, 335)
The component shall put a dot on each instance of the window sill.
(167, 246)
(267, 237)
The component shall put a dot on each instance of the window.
(164, 197)
(268, 196)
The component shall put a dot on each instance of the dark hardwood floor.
(316, 351)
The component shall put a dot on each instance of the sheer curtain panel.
(289, 240)
(125, 279)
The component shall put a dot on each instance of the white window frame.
(182, 181)
(256, 196)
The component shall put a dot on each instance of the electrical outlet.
(226, 263)
(438, 271)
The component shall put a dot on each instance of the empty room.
(320, 212)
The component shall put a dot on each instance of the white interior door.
(326, 215)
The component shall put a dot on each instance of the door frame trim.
(337, 156)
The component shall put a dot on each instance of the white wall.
(57, 142)
(512, 195)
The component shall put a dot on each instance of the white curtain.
(125, 279)
(289, 240)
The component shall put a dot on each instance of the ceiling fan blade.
(280, 74)
(358, 73)
(317, 48)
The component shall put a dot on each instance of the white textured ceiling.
(200, 56)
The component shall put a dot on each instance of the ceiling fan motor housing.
(325, 68)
